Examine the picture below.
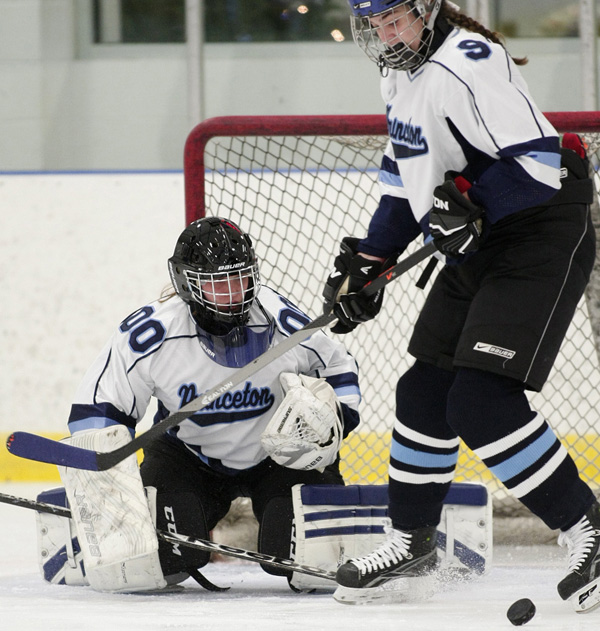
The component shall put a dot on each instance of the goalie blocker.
(336, 523)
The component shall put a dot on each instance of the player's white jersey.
(468, 105)
(157, 352)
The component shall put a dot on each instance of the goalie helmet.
(395, 34)
(214, 269)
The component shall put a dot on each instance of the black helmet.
(214, 269)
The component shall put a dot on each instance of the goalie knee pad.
(113, 522)
(275, 532)
(182, 513)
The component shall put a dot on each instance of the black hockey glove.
(454, 221)
(350, 274)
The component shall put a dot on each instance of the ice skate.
(393, 571)
(581, 586)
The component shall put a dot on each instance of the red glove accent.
(462, 184)
(576, 143)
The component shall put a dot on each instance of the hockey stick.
(35, 447)
(41, 507)
(187, 542)
(247, 555)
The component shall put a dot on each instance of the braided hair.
(456, 17)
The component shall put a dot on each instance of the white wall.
(78, 253)
(66, 105)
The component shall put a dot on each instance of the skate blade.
(168, 589)
(399, 590)
(588, 598)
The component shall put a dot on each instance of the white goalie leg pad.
(113, 522)
(334, 524)
(465, 531)
(305, 432)
(59, 556)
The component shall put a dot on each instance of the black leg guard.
(275, 532)
(180, 513)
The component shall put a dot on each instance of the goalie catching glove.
(351, 273)
(306, 430)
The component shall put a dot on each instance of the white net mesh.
(298, 196)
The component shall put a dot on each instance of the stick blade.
(34, 447)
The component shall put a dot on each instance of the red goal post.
(298, 184)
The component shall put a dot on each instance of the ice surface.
(265, 603)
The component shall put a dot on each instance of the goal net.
(299, 185)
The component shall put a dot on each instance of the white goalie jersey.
(158, 351)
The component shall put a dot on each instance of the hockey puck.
(521, 612)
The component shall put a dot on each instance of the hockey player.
(472, 163)
(283, 427)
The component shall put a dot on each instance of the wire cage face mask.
(399, 37)
(225, 296)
